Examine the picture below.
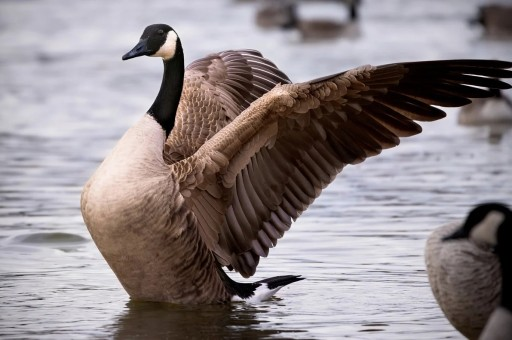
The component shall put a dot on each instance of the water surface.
(67, 97)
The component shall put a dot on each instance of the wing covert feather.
(216, 89)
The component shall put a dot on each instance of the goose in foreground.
(490, 225)
(494, 112)
(464, 277)
(230, 152)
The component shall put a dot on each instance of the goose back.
(217, 88)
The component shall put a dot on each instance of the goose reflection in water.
(150, 320)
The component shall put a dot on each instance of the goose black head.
(157, 40)
(487, 223)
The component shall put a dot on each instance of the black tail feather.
(280, 281)
(246, 290)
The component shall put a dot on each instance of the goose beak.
(460, 233)
(139, 50)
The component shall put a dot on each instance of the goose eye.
(160, 32)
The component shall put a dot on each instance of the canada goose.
(320, 29)
(494, 112)
(490, 225)
(495, 20)
(272, 13)
(284, 14)
(223, 161)
(465, 279)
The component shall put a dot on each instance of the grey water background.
(66, 98)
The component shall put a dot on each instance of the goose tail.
(257, 291)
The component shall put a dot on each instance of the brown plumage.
(465, 279)
(299, 136)
(247, 153)
(469, 270)
(495, 20)
(216, 89)
(285, 15)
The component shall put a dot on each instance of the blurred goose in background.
(231, 152)
(489, 226)
(494, 112)
(273, 13)
(321, 29)
(465, 278)
(285, 15)
(496, 20)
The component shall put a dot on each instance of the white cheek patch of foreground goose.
(230, 152)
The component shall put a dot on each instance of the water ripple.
(66, 98)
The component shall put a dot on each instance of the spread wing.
(257, 174)
(216, 89)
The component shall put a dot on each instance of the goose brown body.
(247, 153)
(153, 247)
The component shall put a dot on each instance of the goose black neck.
(506, 283)
(166, 103)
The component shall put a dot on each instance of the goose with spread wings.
(231, 152)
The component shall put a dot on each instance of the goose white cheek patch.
(486, 231)
(168, 49)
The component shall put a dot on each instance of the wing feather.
(281, 151)
(216, 89)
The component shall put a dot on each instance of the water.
(66, 97)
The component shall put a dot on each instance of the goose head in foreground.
(490, 224)
(231, 152)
